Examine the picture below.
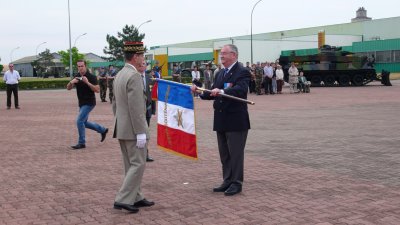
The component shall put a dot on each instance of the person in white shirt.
(196, 79)
(268, 73)
(11, 78)
(293, 78)
(279, 78)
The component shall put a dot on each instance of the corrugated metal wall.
(378, 45)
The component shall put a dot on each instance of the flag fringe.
(177, 153)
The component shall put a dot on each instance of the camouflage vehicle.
(334, 67)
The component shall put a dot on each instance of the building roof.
(57, 58)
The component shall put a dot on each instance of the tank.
(332, 67)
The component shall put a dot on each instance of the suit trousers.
(12, 88)
(231, 151)
(134, 160)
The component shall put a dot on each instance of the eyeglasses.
(225, 53)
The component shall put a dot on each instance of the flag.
(176, 131)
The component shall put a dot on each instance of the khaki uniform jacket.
(129, 104)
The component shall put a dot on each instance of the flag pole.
(200, 90)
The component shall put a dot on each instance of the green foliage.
(75, 57)
(116, 44)
(43, 64)
(39, 83)
(1, 67)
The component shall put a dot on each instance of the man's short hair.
(81, 60)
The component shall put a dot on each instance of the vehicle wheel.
(329, 80)
(344, 80)
(358, 80)
(316, 81)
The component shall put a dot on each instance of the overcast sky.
(26, 24)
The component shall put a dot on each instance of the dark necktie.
(225, 72)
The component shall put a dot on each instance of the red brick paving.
(328, 157)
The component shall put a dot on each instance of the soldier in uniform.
(110, 80)
(258, 76)
(103, 84)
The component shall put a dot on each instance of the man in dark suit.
(231, 118)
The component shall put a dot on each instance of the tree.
(42, 65)
(75, 57)
(116, 44)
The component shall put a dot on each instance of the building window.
(396, 55)
(383, 56)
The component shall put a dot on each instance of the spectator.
(279, 79)
(11, 78)
(293, 78)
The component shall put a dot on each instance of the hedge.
(39, 83)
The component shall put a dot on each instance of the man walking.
(86, 85)
(131, 130)
(11, 78)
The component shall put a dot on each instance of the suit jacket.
(129, 104)
(229, 114)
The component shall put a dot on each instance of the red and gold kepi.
(133, 47)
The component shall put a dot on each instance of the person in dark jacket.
(231, 118)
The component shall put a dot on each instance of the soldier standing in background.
(110, 81)
(258, 76)
(103, 84)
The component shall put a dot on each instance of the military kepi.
(133, 47)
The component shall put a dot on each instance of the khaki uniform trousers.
(134, 160)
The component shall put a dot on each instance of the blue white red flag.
(176, 131)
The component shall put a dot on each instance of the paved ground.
(328, 157)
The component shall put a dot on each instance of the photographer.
(86, 85)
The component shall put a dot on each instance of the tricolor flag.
(176, 131)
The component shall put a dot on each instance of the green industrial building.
(363, 36)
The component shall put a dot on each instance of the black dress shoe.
(127, 207)
(143, 203)
(149, 159)
(103, 135)
(78, 146)
(233, 189)
(222, 188)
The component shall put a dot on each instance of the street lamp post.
(12, 53)
(38, 48)
(251, 31)
(70, 49)
(148, 21)
(78, 38)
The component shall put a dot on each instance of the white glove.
(140, 140)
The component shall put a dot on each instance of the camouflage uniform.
(103, 85)
(259, 75)
(111, 75)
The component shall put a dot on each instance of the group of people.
(270, 77)
(130, 106)
(106, 79)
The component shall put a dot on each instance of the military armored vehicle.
(334, 67)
